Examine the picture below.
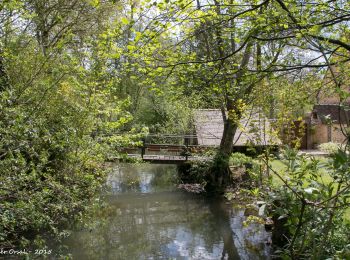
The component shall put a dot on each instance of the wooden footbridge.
(176, 149)
(167, 159)
(183, 148)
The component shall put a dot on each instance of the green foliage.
(308, 212)
(239, 159)
(74, 74)
(50, 170)
(194, 172)
(164, 113)
(330, 147)
(56, 106)
(247, 173)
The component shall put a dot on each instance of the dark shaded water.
(147, 218)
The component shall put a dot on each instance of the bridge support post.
(143, 148)
(187, 151)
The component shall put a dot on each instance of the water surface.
(146, 217)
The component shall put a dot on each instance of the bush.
(51, 117)
(330, 147)
(50, 170)
(239, 159)
(308, 212)
(194, 172)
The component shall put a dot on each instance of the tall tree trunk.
(230, 128)
(226, 144)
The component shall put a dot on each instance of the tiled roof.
(331, 113)
(254, 129)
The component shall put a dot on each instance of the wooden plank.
(166, 159)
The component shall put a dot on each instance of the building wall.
(322, 135)
(337, 135)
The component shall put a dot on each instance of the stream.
(146, 217)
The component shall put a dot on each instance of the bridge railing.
(171, 144)
(168, 145)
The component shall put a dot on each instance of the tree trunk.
(230, 128)
(226, 144)
(220, 170)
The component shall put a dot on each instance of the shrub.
(239, 159)
(194, 172)
(330, 147)
(309, 212)
(50, 171)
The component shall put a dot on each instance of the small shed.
(326, 121)
(254, 129)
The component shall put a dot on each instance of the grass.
(280, 167)
(324, 177)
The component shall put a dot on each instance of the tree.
(56, 99)
(227, 48)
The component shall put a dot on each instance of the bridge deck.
(167, 159)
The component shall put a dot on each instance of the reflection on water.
(144, 178)
(147, 218)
